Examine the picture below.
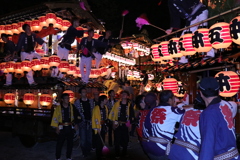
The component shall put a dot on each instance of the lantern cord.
(206, 20)
(157, 27)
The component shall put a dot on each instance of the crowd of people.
(165, 129)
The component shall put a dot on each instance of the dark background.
(109, 11)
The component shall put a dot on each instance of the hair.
(138, 100)
(109, 92)
(90, 30)
(165, 96)
(127, 82)
(80, 90)
(150, 100)
(125, 92)
(64, 95)
(101, 98)
(4, 35)
(25, 26)
(74, 19)
(209, 93)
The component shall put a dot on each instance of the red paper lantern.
(28, 99)
(15, 28)
(186, 45)
(44, 61)
(170, 84)
(63, 66)
(10, 66)
(26, 65)
(173, 48)
(20, 24)
(71, 94)
(2, 29)
(9, 98)
(45, 100)
(36, 65)
(3, 66)
(8, 29)
(201, 41)
(235, 29)
(72, 69)
(219, 35)
(36, 25)
(51, 18)
(229, 83)
(18, 68)
(155, 53)
(54, 60)
(65, 25)
(59, 23)
(42, 20)
(77, 73)
(163, 51)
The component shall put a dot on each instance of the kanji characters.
(158, 115)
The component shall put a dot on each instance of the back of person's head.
(199, 103)
(24, 26)
(209, 87)
(150, 100)
(4, 35)
(90, 31)
(127, 82)
(74, 19)
(124, 91)
(101, 98)
(165, 95)
(139, 100)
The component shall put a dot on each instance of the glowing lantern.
(72, 69)
(180, 91)
(54, 60)
(15, 28)
(51, 18)
(219, 35)
(77, 73)
(229, 83)
(148, 87)
(92, 74)
(96, 35)
(65, 25)
(71, 94)
(63, 66)
(58, 23)
(18, 68)
(44, 61)
(159, 87)
(29, 22)
(135, 46)
(36, 65)
(26, 65)
(186, 45)
(200, 40)
(150, 77)
(173, 48)
(20, 24)
(235, 29)
(36, 25)
(147, 51)
(163, 50)
(9, 98)
(8, 29)
(2, 66)
(10, 66)
(45, 100)
(155, 53)
(170, 84)
(42, 21)
(28, 99)
(2, 29)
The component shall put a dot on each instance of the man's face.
(84, 93)
(66, 99)
(76, 23)
(91, 34)
(108, 33)
(172, 102)
(112, 94)
(124, 95)
(28, 29)
(105, 101)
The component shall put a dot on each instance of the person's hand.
(169, 31)
(57, 130)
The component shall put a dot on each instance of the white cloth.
(87, 62)
(62, 54)
(98, 58)
(30, 56)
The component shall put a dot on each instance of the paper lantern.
(44, 61)
(147, 51)
(71, 94)
(36, 26)
(26, 65)
(3, 66)
(163, 51)
(8, 29)
(10, 66)
(58, 23)
(229, 83)
(18, 68)
(36, 65)
(2, 29)
(219, 35)
(63, 66)
(170, 84)
(200, 40)
(185, 44)
(155, 52)
(180, 91)
(77, 73)
(72, 69)
(92, 74)
(42, 21)
(147, 88)
(235, 29)
(9, 98)
(54, 60)
(20, 24)
(173, 48)
(15, 28)
(45, 100)
(65, 25)
(51, 18)
(28, 99)
(159, 87)
(29, 22)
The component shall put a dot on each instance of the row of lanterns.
(119, 59)
(129, 46)
(218, 36)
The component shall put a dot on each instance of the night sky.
(110, 11)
